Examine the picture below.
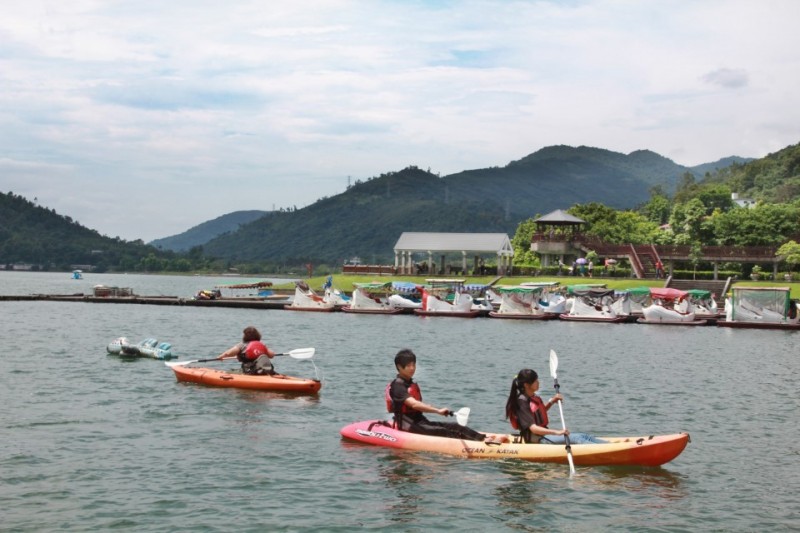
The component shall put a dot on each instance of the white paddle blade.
(553, 364)
(302, 353)
(462, 416)
(180, 363)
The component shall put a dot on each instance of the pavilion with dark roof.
(557, 236)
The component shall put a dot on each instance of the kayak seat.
(379, 423)
(263, 366)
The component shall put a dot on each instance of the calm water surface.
(92, 442)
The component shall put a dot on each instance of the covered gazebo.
(557, 235)
(474, 244)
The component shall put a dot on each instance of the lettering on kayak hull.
(376, 434)
(497, 451)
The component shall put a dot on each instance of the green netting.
(751, 302)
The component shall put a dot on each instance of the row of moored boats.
(770, 307)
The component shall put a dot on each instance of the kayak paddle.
(553, 373)
(462, 415)
(299, 353)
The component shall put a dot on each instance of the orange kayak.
(649, 450)
(221, 378)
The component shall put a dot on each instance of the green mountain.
(202, 233)
(773, 179)
(33, 234)
(368, 218)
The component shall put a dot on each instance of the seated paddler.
(404, 401)
(255, 356)
(527, 412)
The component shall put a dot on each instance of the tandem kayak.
(653, 450)
(221, 378)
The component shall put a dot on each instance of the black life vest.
(539, 411)
(399, 410)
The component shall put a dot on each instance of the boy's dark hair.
(404, 357)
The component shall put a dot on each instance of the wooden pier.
(239, 303)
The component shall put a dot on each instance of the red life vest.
(413, 391)
(539, 410)
(252, 351)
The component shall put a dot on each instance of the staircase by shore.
(716, 287)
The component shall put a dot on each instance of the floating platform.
(240, 303)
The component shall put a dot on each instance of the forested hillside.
(774, 178)
(365, 221)
(33, 234)
(368, 218)
(202, 233)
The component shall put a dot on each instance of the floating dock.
(241, 303)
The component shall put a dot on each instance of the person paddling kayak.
(527, 412)
(404, 400)
(252, 353)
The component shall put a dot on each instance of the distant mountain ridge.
(202, 233)
(368, 218)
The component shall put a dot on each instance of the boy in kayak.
(252, 353)
(527, 412)
(404, 399)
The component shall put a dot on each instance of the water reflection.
(532, 491)
(527, 490)
(405, 472)
(652, 481)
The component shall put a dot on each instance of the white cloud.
(196, 109)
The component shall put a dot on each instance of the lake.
(93, 442)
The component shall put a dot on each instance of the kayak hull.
(221, 378)
(652, 450)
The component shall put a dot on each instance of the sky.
(143, 118)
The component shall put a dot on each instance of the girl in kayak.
(527, 412)
(404, 400)
(252, 353)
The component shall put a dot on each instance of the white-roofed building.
(474, 244)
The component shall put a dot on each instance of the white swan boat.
(521, 302)
(372, 298)
(638, 299)
(334, 295)
(669, 306)
(761, 307)
(597, 305)
(406, 295)
(704, 304)
(447, 298)
(305, 299)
